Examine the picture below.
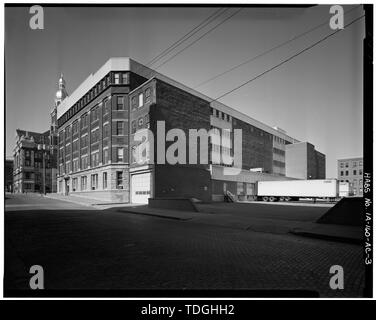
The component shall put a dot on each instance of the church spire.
(61, 93)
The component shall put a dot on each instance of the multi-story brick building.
(98, 148)
(303, 161)
(351, 170)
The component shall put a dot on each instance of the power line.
(268, 51)
(188, 35)
(192, 43)
(286, 60)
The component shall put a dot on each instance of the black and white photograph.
(188, 150)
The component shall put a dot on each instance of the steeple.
(61, 93)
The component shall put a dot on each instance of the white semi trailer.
(295, 189)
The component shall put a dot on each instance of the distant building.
(303, 161)
(351, 170)
(35, 154)
(8, 179)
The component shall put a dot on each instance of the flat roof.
(128, 64)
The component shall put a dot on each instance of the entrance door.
(141, 187)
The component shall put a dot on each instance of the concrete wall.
(303, 161)
(296, 160)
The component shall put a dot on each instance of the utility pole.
(43, 148)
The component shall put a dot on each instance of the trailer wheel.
(272, 199)
(265, 199)
(287, 199)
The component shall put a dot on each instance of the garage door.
(141, 186)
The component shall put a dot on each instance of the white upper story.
(127, 64)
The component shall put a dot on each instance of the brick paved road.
(82, 248)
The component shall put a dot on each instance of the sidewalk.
(85, 201)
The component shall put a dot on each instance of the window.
(68, 167)
(133, 126)
(355, 182)
(341, 173)
(84, 141)
(84, 162)
(120, 128)
(120, 154)
(147, 95)
(119, 179)
(67, 132)
(140, 99)
(347, 165)
(342, 164)
(354, 172)
(125, 78)
(95, 159)
(75, 146)
(94, 114)
(355, 164)
(94, 136)
(360, 171)
(105, 156)
(134, 103)
(84, 121)
(106, 108)
(94, 181)
(74, 184)
(347, 173)
(106, 130)
(120, 103)
(83, 183)
(117, 78)
(104, 180)
(360, 163)
(75, 127)
(75, 165)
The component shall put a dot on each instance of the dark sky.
(316, 97)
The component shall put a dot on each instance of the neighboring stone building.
(351, 170)
(8, 176)
(34, 163)
(303, 161)
(97, 146)
(35, 154)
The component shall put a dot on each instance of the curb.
(326, 237)
(155, 215)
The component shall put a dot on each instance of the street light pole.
(43, 148)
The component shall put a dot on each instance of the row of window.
(220, 115)
(112, 78)
(346, 173)
(120, 130)
(278, 151)
(354, 163)
(138, 101)
(94, 182)
(94, 158)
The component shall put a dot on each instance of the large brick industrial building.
(97, 124)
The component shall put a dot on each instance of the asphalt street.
(81, 247)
